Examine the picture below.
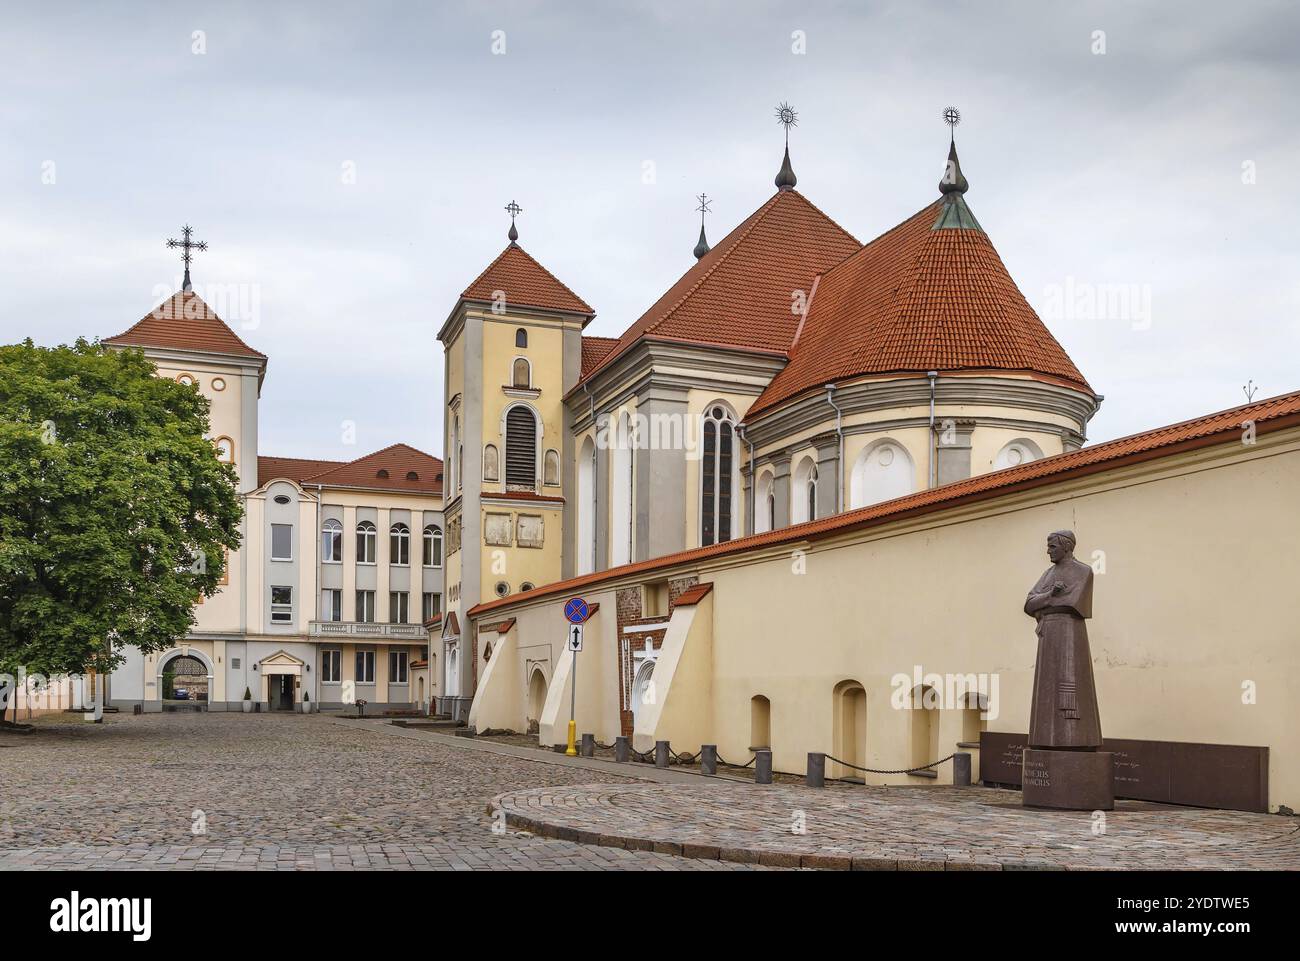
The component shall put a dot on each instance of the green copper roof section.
(955, 215)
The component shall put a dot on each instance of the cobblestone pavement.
(900, 828)
(277, 792)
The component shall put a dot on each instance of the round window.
(186, 379)
(526, 586)
(502, 588)
(281, 499)
(218, 383)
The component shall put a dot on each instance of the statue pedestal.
(1068, 780)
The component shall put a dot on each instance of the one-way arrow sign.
(575, 638)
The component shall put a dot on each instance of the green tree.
(115, 514)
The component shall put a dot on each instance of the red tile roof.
(693, 595)
(1223, 427)
(917, 299)
(397, 461)
(185, 322)
(739, 294)
(525, 283)
(594, 350)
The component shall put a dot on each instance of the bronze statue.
(1064, 712)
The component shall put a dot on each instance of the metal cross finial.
(1249, 390)
(514, 210)
(952, 117)
(186, 245)
(703, 208)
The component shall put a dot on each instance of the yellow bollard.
(572, 750)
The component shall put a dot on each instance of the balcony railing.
(411, 632)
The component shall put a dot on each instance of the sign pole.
(572, 749)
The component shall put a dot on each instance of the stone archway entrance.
(536, 700)
(184, 681)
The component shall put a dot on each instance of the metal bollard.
(816, 770)
(622, 750)
(708, 759)
(763, 767)
(588, 745)
(961, 770)
(661, 753)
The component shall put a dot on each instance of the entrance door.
(282, 692)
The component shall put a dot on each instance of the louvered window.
(521, 449)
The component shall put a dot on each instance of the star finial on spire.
(514, 210)
(786, 116)
(186, 245)
(702, 247)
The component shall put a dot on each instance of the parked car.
(180, 694)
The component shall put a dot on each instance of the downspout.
(931, 480)
(839, 452)
(753, 478)
(320, 496)
(595, 487)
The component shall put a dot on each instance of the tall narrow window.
(366, 606)
(521, 338)
(717, 480)
(433, 546)
(551, 469)
(397, 661)
(281, 542)
(365, 667)
(330, 666)
(399, 607)
(491, 463)
(399, 544)
(365, 543)
(331, 541)
(331, 604)
(521, 449)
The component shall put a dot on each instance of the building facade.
(339, 564)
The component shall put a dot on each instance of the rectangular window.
(531, 529)
(432, 605)
(366, 606)
(331, 605)
(282, 605)
(281, 542)
(331, 663)
(399, 607)
(365, 667)
(497, 530)
(397, 667)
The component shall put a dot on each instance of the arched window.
(551, 469)
(883, 471)
(521, 375)
(399, 544)
(803, 506)
(717, 476)
(521, 338)
(1022, 450)
(225, 450)
(366, 541)
(491, 463)
(521, 448)
(586, 508)
(765, 501)
(331, 541)
(433, 546)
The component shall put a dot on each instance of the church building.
(816, 465)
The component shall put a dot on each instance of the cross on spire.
(514, 210)
(786, 116)
(186, 245)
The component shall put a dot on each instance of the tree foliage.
(115, 514)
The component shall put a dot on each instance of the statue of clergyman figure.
(1063, 713)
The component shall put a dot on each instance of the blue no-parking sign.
(576, 610)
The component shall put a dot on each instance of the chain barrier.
(741, 767)
(910, 770)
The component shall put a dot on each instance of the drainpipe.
(595, 488)
(839, 454)
(753, 478)
(320, 497)
(930, 466)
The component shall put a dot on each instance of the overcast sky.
(348, 164)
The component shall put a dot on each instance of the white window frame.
(362, 596)
(334, 610)
(274, 557)
(399, 543)
(402, 601)
(432, 535)
(364, 660)
(332, 529)
(403, 661)
(331, 658)
(281, 612)
(367, 534)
